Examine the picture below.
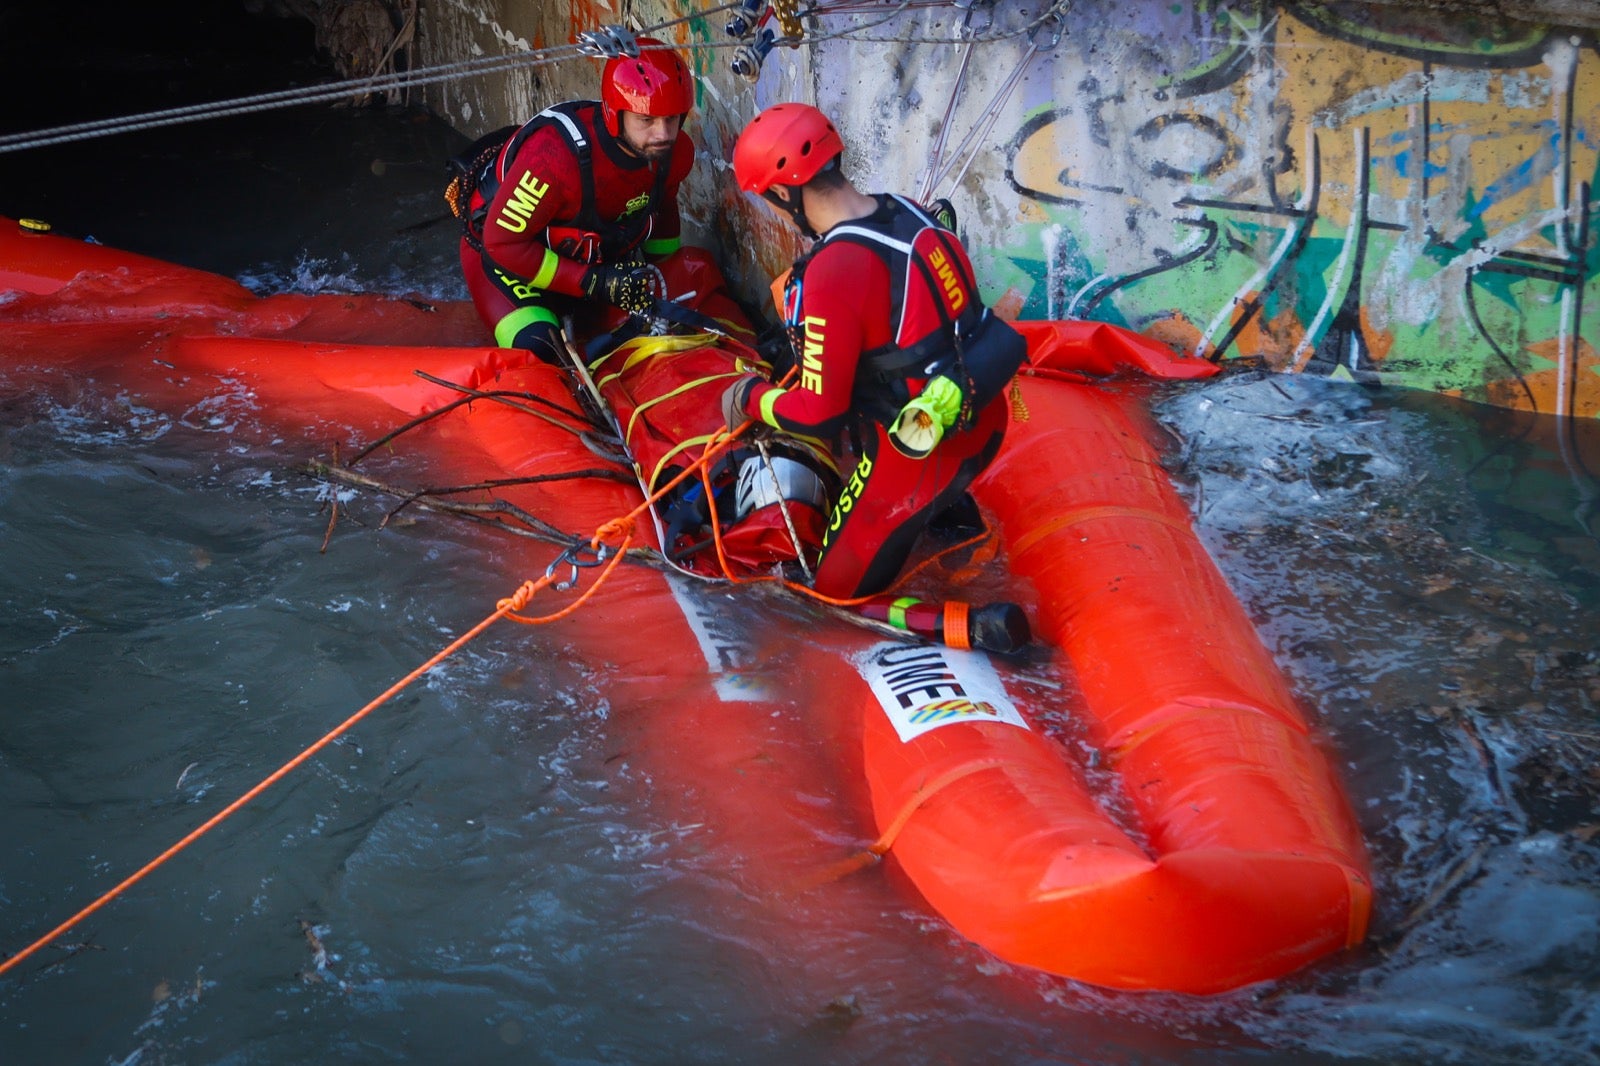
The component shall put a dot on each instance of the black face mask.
(794, 208)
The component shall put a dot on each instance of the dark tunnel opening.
(101, 60)
(329, 181)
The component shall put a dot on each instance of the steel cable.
(354, 87)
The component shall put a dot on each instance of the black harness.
(977, 350)
(481, 169)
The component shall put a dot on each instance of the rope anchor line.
(508, 608)
(606, 42)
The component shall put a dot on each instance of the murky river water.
(483, 873)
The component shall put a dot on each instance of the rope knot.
(520, 598)
(616, 529)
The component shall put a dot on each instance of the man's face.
(649, 136)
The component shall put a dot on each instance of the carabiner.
(969, 28)
(550, 572)
(570, 557)
(608, 42)
(1059, 28)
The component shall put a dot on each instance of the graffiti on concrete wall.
(1328, 188)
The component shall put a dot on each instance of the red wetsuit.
(859, 298)
(542, 230)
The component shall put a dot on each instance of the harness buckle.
(608, 42)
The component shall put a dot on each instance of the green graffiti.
(1429, 34)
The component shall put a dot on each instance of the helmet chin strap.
(795, 207)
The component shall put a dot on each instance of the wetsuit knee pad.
(543, 340)
(533, 329)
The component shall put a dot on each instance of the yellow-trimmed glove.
(734, 399)
(630, 286)
(920, 425)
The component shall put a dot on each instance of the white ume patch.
(922, 687)
(722, 642)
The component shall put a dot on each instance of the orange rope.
(611, 565)
(515, 602)
(880, 847)
(507, 608)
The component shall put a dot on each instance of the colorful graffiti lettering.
(1326, 188)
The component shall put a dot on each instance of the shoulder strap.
(896, 243)
(564, 117)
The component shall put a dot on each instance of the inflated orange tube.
(1238, 858)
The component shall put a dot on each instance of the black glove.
(734, 398)
(775, 346)
(630, 286)
(944, 213)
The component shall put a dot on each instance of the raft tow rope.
(504, 609)
(508, 608)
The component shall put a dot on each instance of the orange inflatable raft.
(1231, 855)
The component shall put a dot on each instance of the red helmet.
(787, 144)
(654, 82)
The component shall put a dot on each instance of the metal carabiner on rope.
(748, 57)
(571, 558)
(1053, 18)
(608, 42)
(746, 17)
(968, 28)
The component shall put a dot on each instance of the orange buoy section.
(1238, 858)
(1212, 845)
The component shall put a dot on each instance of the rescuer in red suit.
(573, 204)
(895, 350)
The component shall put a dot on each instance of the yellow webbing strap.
(683, 446)
(679, 391)
(639, 349)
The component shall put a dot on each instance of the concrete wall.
(1381, 191)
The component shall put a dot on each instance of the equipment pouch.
(472, 171)
(989, 359)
